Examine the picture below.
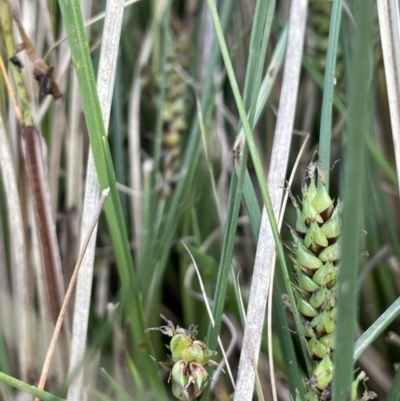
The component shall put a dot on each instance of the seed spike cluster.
(188, 360)
(318, 34)
(316, 256)
(174, 120)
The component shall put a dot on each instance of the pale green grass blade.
(20, 385)
(130, 292)
(105, 85)
(120, 392)
(394, 393)
(358, 125)
(376, 329)
(118, 138)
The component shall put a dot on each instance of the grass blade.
(131, 300)
(329, 87)
(20, 385)
(389, 22)
(358, 125)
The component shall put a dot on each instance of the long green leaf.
(20, 385)
(376, 329)
(72, 18)
(353, 199)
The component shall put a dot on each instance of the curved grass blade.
(376, 329)
(20, 385)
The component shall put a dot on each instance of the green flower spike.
(316, 257)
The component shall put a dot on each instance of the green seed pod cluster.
(316, 255)
(174, 121)
(188, 360)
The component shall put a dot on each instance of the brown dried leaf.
(41, 71)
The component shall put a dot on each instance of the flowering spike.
(316, 258)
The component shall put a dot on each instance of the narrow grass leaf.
(376, 329)
(358, 125)
(20, 385)
(72, 18)
(106, 74)
(329, 87)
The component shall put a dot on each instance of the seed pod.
(319, 297)
(323, 203)
(306, 283)
(328, 340)
(323, 323)
(326, 275)
(179, 373)
(330, 254)
(309, 214)
(179, 392)
(192, 352)
(199, 375)
(332, 228)
(323, 373)
(305, 308)
(178, 344)
(306, 259)
(315, 240)
(316, 349)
